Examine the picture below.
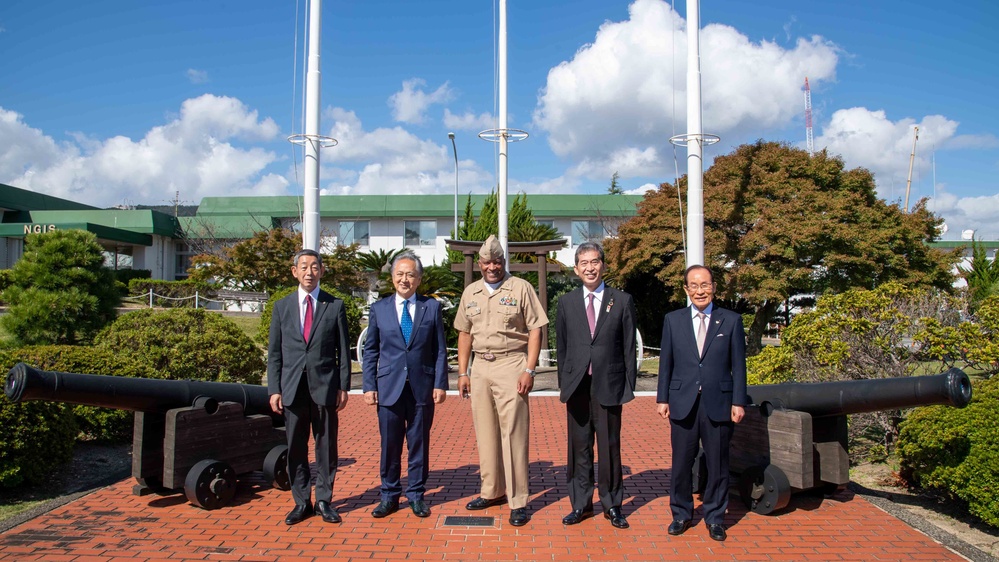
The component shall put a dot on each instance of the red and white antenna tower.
(809, 139)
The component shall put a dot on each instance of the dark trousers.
(586, 418)
(405, 419)
(714, 438)
(301, 416)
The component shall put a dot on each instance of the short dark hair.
(408, 255)
(299, 254)
(589, 247)
(686, 272)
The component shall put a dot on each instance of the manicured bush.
(60, 290)
(956, 451)
(186, 344)
(353, 308)
(36, 437)
(169, 294)
(100, 424)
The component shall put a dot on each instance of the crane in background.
(809, 139)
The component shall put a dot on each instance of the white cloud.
(393, 160)
(469, 121)
(410, 104)
(642, 189)
(612, 107)
(193, 153)
(980, 214)
(866, 138)
(197, 76)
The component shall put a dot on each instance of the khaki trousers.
(502, 421)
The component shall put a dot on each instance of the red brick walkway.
(113, 524)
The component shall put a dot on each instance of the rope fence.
(200, 301)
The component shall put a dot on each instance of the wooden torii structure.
(540, 249)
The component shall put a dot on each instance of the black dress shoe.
(384, 509)
(299, 514)
(482, 503)
(678, 526)
(716, 532)
(420, 508)
(577, 516)
(519, 517)
(616, 518)
(328, 513)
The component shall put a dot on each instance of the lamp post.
(455, 147)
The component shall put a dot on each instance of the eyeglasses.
(584, 264)
(702, 286)
(407, 275)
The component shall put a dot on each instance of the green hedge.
(186, 344)
(956, 451)
(353, 305)
(172, 290)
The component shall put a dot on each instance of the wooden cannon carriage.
(191, 435)
(794, 435)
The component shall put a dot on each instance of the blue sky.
(115, 102)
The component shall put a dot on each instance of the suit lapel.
(606, 304)
(322, 303)
(714, 326)
(419, 309)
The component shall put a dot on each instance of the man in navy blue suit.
(405, 374)
(702, 391)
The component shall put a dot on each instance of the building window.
(354, 232)
(421, 233)
(546, 222)
(587, 231)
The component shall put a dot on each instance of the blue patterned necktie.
(407, 322)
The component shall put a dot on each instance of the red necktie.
(307, 324)
(591, 319)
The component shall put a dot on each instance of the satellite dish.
(967, 234)
(942, 229)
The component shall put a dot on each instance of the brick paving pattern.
(112, 524)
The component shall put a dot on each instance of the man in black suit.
(308, 376)
(597, 368)
(702, 391)
(405, 374)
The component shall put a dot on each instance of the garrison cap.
(491, 249)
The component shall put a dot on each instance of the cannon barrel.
(135, 394)
(861, 396)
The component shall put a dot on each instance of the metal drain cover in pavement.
(468, 521)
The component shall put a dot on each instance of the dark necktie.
(407, 322)
(307, 324)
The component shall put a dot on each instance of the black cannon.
(794, 435)
(193, 435)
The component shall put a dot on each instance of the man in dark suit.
(702, 391)
(597, 368)
(405, 374)
(308, 376)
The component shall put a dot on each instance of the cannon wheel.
(699, 478)
(276, 468)
(210, 484)
(764, 489)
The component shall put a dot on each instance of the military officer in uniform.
(500, 319)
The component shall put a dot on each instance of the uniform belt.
(493, 355)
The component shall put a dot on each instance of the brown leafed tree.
(779, 223)
(260, 263)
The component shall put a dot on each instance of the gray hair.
(590, 247)
(408, 255)
(299, 254)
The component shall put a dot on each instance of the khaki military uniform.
(500, 324)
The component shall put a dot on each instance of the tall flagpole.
(695, 161)
(313, 80)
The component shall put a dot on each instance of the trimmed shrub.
(60, 290)
(169, 294)
(354, 309)
(37, 437)
(99, 424)
(956, 451)
(186, 344)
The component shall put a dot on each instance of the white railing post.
(150, 297)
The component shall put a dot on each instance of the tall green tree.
(523, 227)
(982, 275)
(615, 188)
(779, 223)
(60, 290)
